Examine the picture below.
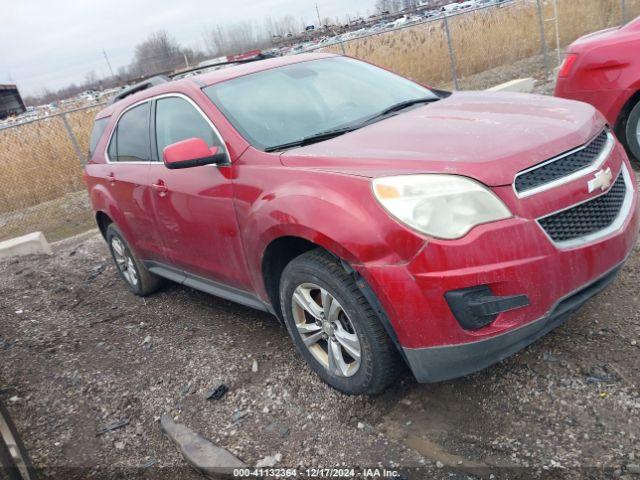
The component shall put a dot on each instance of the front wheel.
(333, 326)
(632, 133)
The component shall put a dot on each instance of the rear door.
(129, 157)
(194, 210)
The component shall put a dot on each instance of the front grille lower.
(561, 167)
(586, 218)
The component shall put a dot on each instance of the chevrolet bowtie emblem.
(602, 180)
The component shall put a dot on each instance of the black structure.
(10, 101)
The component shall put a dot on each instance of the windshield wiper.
(398, 107)
(318, 137)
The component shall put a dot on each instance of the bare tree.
(91, 78)
(158, 53)
(384, 6)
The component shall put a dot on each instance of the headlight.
(442, 206)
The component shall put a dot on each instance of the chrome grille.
(586, 218)
(563, 166)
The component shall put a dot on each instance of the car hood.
(487, 136)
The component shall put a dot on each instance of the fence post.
(452, 54)
(555, 14)
(74, 140)
(543, 39)
(624, 11)
(342, 47)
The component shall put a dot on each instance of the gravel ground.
(83, 353)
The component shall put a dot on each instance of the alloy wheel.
(326, 330)
(124, 261)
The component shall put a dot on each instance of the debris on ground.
(238, 415)
(217, 393)
(205, 456)
(113, 426)
(269, 461)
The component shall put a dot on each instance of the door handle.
(160, 187)
(111, 178)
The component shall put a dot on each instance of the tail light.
(567, 65)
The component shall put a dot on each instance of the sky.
(52, 43)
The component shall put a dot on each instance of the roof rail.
(138, 87)
(261, 56)
(160, 79)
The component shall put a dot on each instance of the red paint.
(603, 69)
(191, 149)
(217, 221)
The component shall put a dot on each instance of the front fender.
(334, 211)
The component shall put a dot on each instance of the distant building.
(10, 101)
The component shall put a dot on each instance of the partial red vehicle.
(603, 69)
(383, 222)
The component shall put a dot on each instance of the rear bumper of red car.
(512, 258)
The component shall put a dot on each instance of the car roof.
(211, 78)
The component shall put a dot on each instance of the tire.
(363, 359)
(632, 134)
(138, 278)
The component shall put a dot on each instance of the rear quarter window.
(96, 133)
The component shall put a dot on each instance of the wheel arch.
(282, 250)
(103, 220)
(621, 122)
(286, 246)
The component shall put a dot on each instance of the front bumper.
(511, 257)
(443, 363)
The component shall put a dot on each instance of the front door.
(194, 211)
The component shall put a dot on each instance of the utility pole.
(318, 13)
(108, 63)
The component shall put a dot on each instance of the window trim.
(152, 123)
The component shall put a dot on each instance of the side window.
(96, 132)
(130, 141)
(177, 120)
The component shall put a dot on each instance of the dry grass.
(484, 39)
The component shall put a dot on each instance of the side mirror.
(193, 152)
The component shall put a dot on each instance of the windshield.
(287, 104)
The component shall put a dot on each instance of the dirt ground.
(81, 353)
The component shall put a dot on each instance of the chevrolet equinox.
(385, 223)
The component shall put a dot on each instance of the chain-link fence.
(41, 185)
(41, 161)
(461, 49)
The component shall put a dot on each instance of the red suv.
(603, 69)
(385, 223)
